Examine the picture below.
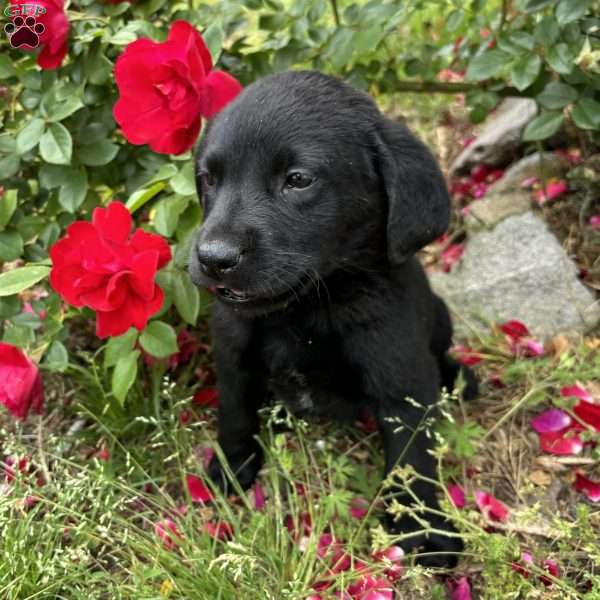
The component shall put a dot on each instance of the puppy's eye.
(208, 179)
(298, 180)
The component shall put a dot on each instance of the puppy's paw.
(471, 389)
(244, 469)
(433, 550)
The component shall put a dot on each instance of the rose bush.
(113, 100)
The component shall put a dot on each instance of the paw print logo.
(24, 32)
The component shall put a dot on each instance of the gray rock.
(518, 270)
(493, 208)
(499, 137)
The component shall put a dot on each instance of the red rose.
(21, 387)
(98, 265)
(166, 88)
(53, 40)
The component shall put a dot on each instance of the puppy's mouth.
(267, 299)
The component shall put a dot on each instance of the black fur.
(338, 316)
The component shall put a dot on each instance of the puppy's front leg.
(403, 426)
(241, 393)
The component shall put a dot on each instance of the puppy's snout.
(218, 257)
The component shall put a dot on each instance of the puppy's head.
(300, 177)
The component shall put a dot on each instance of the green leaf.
(11, 245)
(586, 113)
(8, 144)
(97, 154)
(60, 111)
(30, 135)
(486, 65)
(119, 346)
(536, 5)
(167, 171)
(124, 375)
(72, 193)
(57, 357)
(525, 72)
(368, 39)
(560, 59)
(455, 20)
(56, 145)
(9, 166)
(213, 37)
(557, 95)
(159, 339)
(546, 32)
(185, 297)
(168, 212)
(52, 176)
(184, 182)
(543, 126)
(571, 10)
(8, 204)
(6, 67)
(140, 197)
(17, 280)
(340, 48)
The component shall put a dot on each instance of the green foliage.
(61, 154)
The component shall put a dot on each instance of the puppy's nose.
(218, 257)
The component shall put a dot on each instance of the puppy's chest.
(310, 375)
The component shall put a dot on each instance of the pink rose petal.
(555, 442)
(576, 391)
(199, 491)
(552, 567)
(359, 507)
(554, 189)
(163, 529)
(595, 221)
(466, 355)
(551, 420)
(259, 496)
(490, 506)
(457, 495)
(460, 590)
(590, 488)
(514, 329)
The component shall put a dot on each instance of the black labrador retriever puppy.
(314, 205)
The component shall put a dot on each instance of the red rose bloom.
(21, 387)
(53, 40)
(98, 265)
(166, 88)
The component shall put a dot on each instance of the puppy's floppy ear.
(418, 200)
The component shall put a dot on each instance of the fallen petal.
(359, 507)
(199, 491)
(576, 391)
(163, 529)
(551, 420)
(490, 506)
(595, 221)
(555, 442)
(460, 590)
(514, 329)
(552, 567)
(457, 495)
(590, 488)
(259, 496)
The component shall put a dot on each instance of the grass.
(77, 526)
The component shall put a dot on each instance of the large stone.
(518, 270)
(500, 136)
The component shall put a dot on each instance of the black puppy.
(314, 205)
